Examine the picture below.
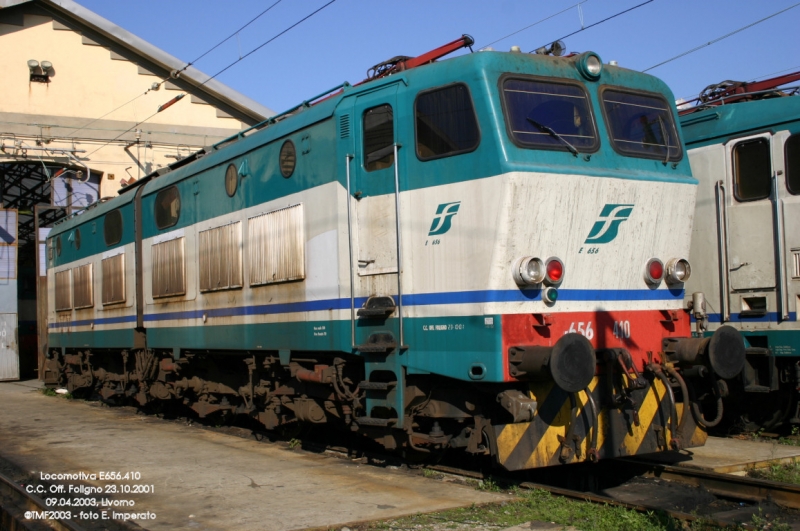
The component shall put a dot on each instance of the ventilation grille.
(113, 279)
(64, 290)
(169, 277)
(796, 263)
(221, 257)
(344, 126)
(276, 246)
(83, 292)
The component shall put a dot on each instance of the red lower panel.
(640, 332)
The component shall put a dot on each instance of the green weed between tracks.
(540, 505)
(786, 473)
(46, 391)
(536, 505)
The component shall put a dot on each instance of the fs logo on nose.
(605, 228)
(443, 217)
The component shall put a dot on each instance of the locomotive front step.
(377, 386)
(377, 422)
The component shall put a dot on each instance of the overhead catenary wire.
(163, 107)
(269, 41)
(534, 24)
(229, 37)
(709, 43)
(190, 63)
(113, 110)
(596, 23)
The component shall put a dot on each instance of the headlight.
(528, 271)
(590, 66)
(678, 271)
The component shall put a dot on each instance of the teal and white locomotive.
(485, 253)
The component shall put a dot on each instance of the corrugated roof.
(154, 59)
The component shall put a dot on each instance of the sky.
(340, 42)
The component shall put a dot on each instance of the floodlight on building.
(40, 72)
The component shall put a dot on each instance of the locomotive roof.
(480, 67)
(718, 124)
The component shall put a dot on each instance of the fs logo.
(605, 229)
(443, 217)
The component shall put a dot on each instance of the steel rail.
(721, 485)
(30, 502)
(640, 508)
(579, 495)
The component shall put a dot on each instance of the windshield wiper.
(551, 132)
(666, 138)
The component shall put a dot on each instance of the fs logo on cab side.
(605, 229)
(443, 218)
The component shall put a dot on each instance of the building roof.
(106, 33)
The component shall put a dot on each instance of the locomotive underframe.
(521, 425)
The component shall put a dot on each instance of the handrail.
(722, 246)
(347, 159)
(399, 244)
(778, 213)
(273, 119)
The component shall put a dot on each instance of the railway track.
(735, 490)
(724, 499)
(17, 506)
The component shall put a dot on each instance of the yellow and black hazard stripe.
(637, 426)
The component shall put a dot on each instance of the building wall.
(87, 103)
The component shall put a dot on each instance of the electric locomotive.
(743, 141)
(484, 253)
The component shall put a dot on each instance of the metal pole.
(399, 244)
(347, 159)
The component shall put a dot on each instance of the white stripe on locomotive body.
(500, 219)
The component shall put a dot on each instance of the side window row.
(444, 123)
(752, 168)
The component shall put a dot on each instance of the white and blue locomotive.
(485, 253)
(743, 142)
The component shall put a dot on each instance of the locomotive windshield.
(641, 125)
(550, 115)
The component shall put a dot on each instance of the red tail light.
(654, 271)
(555, 270)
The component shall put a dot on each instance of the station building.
(85, 108)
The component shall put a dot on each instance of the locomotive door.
(373, 184)
(751, 227)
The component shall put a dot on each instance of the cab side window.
(112, 228)
(752, 170)
(168, 207)
(445, 122)
(793, 164)
(378, 138)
